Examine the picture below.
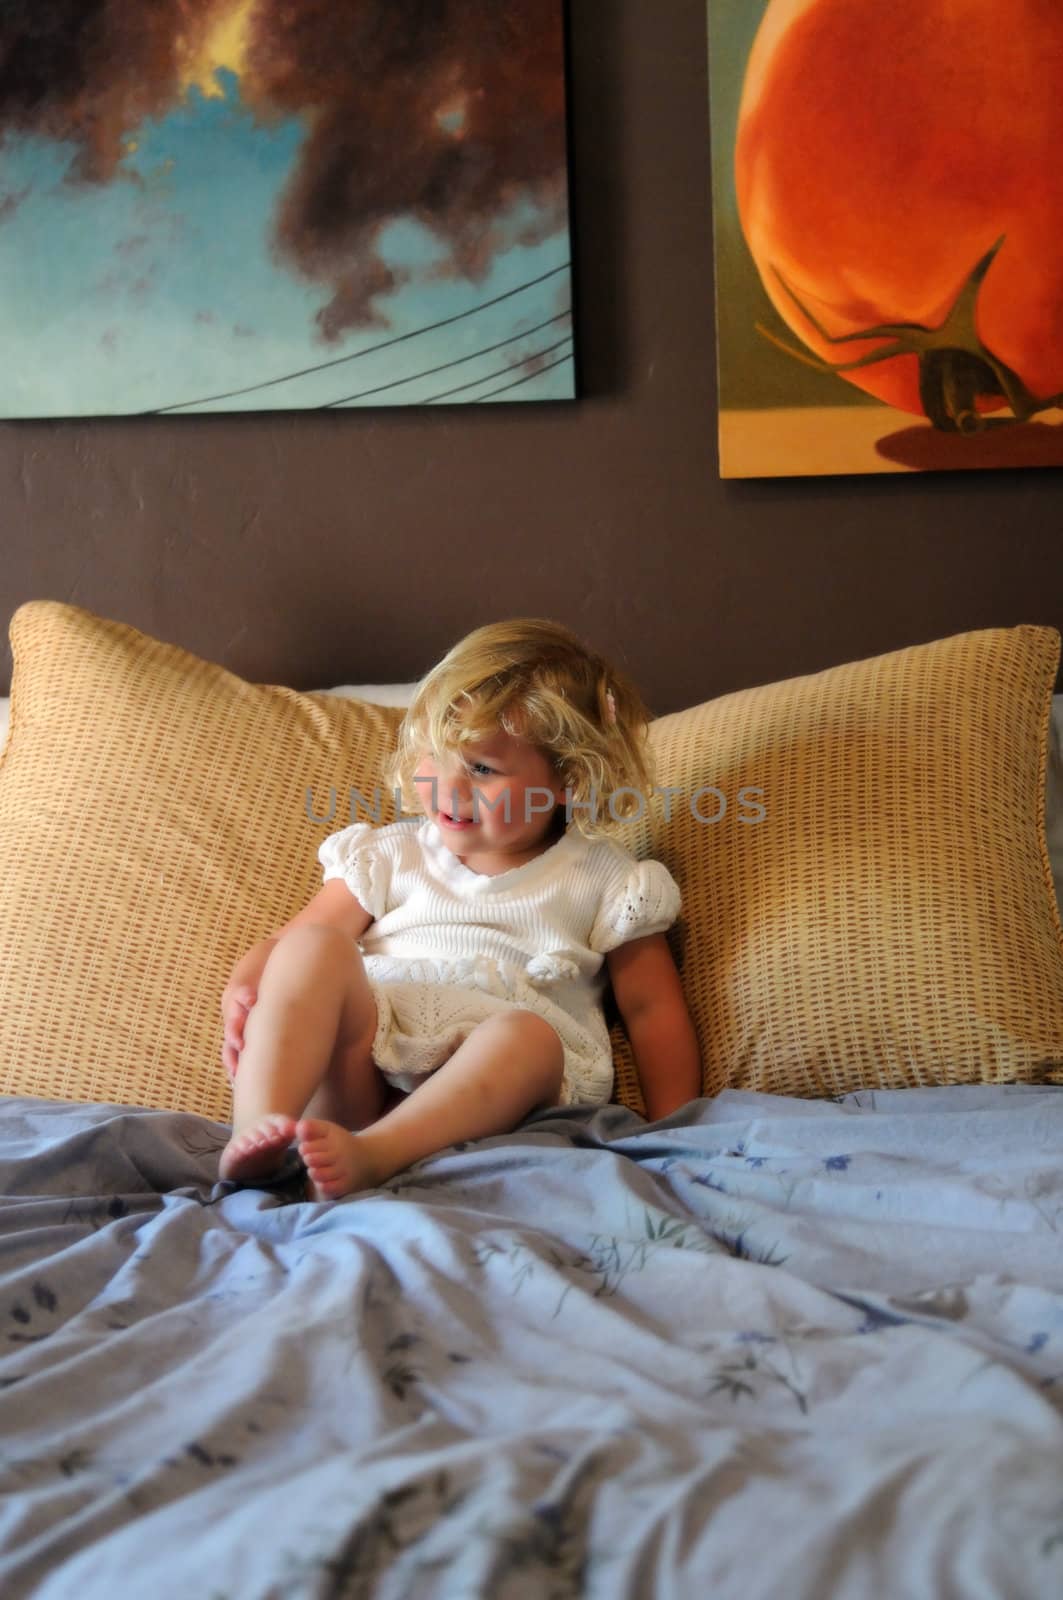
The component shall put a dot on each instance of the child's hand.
(235, 1005)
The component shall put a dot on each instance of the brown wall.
(314, 549)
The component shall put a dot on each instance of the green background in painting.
(752, 372)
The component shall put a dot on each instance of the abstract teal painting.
(253, 205)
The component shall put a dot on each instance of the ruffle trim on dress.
(649, 903)
(501, 978)
(353, 856)
(551, 966)
(470, 972)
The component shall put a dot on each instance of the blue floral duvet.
(769, 1349)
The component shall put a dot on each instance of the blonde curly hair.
(538, 681)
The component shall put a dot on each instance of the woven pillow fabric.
(153, 825)
(880, 911)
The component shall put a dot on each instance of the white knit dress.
(448, 947)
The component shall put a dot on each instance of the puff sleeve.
(355, 855)
(646, 900)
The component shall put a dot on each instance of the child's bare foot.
(335, 1160)
(259, 1151)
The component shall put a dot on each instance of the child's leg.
(509, 1064)
(307, 1043)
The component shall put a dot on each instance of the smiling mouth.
(455, 822)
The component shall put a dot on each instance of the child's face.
(497, 792)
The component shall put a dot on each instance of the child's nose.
(457, 781)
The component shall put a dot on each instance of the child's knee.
(535, 1030)
(312, 950)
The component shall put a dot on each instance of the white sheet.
(767, 1349)
(378, 694)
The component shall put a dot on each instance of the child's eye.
(479, 764)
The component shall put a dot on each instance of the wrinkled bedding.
(767, 1348)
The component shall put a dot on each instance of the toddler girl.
(448, 978)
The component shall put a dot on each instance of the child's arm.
(333, 904)
(650, 999)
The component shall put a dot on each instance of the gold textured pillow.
(891, 921)
(153, 825)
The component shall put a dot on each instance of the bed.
(803, 1337)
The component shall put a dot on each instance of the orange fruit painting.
(889, 178)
